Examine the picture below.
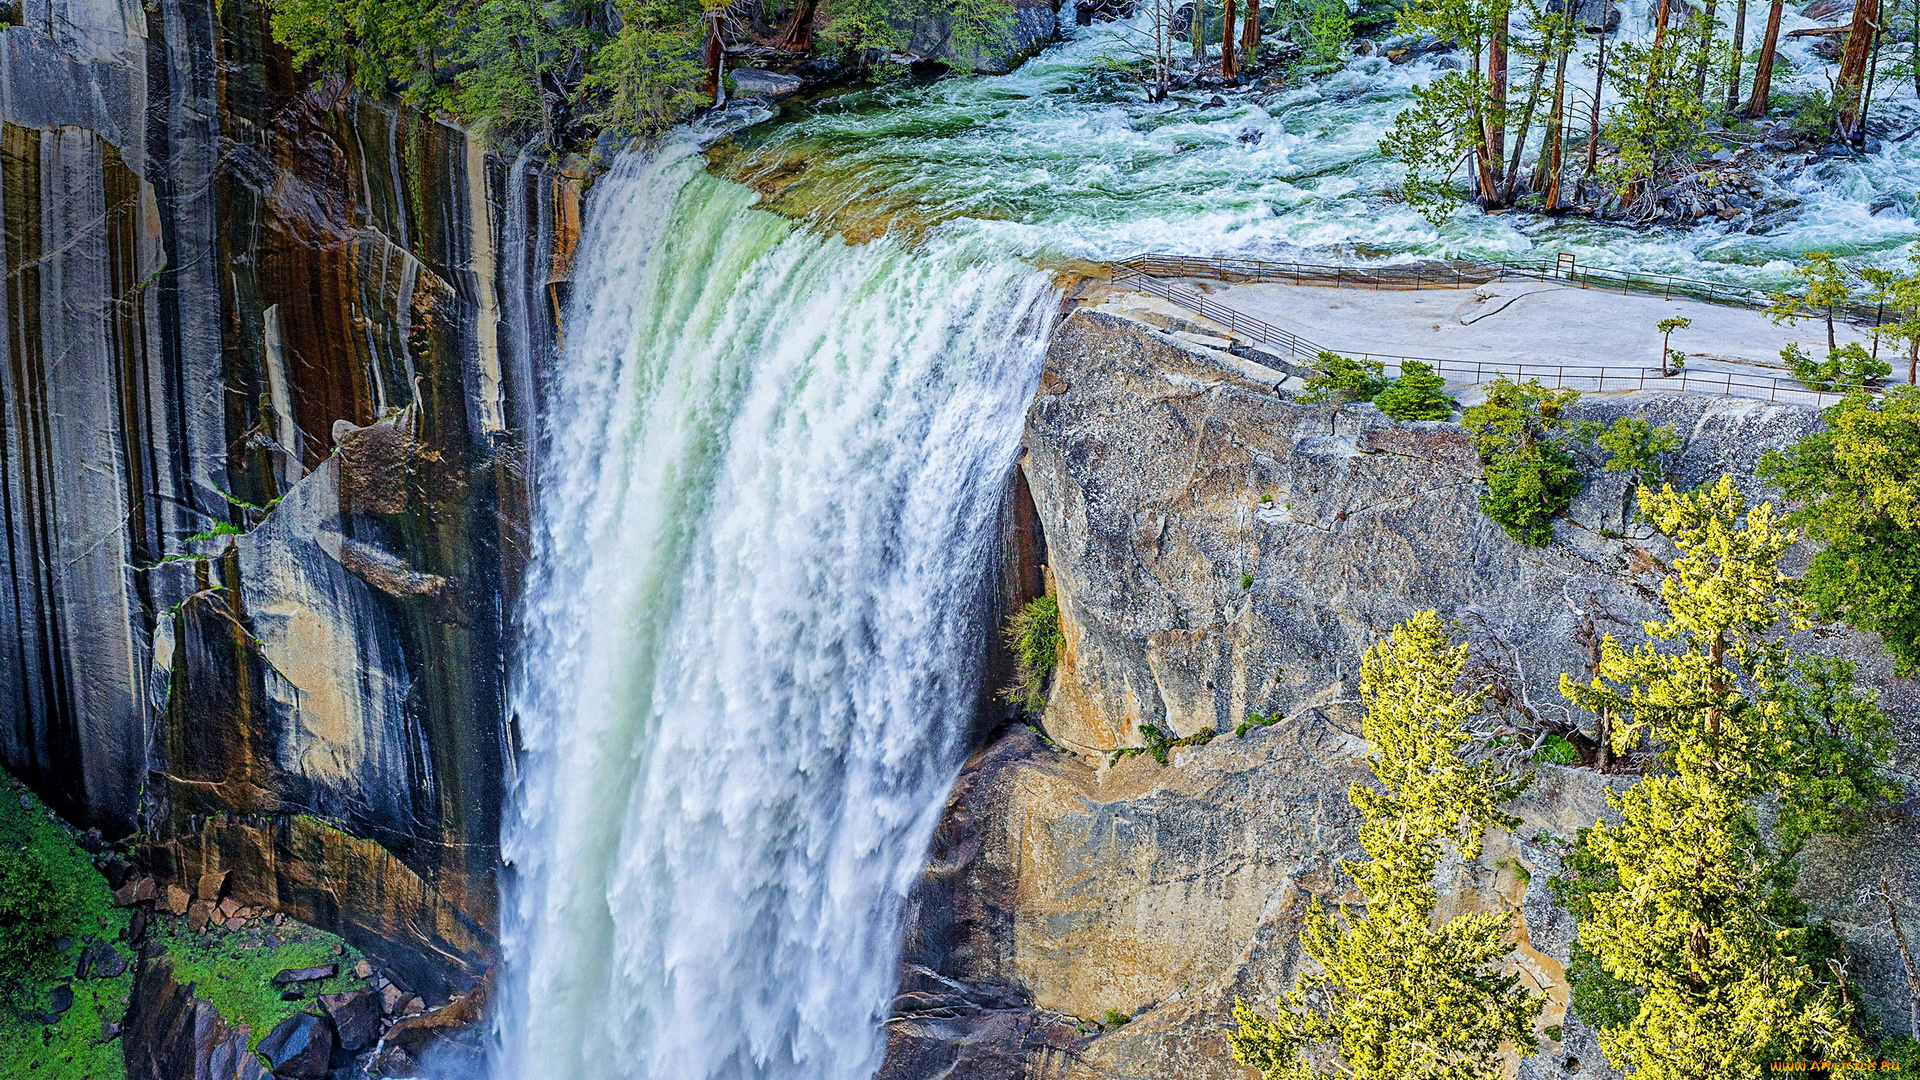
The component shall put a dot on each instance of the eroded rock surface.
(1219, 551)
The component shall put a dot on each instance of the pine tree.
(1686, 905)
(1417, 394)
(1396, 998)
(1856, 485)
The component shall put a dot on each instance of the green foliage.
(1329, 29)
(518, 55)
(1431, 136)
(1557, 750)
(1822, 284)
(1856, 486)
(1597, 997)
(1659, 123)
(1254, 720)
(1157, 742)
(220, 528)
(1905, 1050)
(381, 46)
(1418, 394)
(1113, 1018)
(234, 970)
(1343, 378)
(1033, 633)
(972, 25)
(1530, 477)
(1634, 446)
(1686, 903)
(1393, 995)
(1848, 367)
(649, 73)
(50, 893)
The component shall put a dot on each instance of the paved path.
(1537, 323)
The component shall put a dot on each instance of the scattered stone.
(363, 970)
(305, 974)
(138, 891)
(137, 926)
(209, 886)
(356, 1018)
(90, 841)
(198, 914)
(298, 1049)
(236, 923)
(176, 900)
(750, 83)
(414, 1006)
(228, 908)
(61, 999)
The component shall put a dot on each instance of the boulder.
(356, 1018)
(209, 886)
(299, 1048)
(175, 900)
(289, 976)
(169, 1034)
(750, 83)
(137, 891)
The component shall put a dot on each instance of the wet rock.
(299, 1048)
(176, 900)
(447, 1040)
(356, 1018)
(169, 1034)
(61, 999)
(137, 891)
(1593, 16)
(290, 976)
(209, 886)
(764, 84)
(199, 914)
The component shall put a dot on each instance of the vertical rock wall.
(234, 302)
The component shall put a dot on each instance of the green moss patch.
(56, 894)
(233, 969)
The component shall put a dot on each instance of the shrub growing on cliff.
(1686, 903)
(1530, 477)
(36, 911)
(1393, 996)
(1634, 446)
(1343, 378)
(1033, 633)
(1417, 394)
(1856, 486)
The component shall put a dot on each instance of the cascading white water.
(766, 527)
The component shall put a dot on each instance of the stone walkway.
(1545, 324)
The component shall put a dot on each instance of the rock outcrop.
(234, 302)
(1219, 550)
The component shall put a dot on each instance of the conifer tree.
(1687, 906)
(1395, 997)
(1417, 394)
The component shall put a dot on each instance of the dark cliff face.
(234, 301)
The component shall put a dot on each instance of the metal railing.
(1451, 275)
(1295, 348)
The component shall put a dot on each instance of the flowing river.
(770, 494)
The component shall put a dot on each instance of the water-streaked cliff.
(233, 301)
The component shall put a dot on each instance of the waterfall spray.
(769, 484)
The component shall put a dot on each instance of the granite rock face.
(1219, 550)
(238, 303)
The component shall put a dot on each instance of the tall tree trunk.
(1197, 30)
(1229, 29)
(1706, 50)
(716, 56)
(1763, 67)
(1593, 132)
(1546, 175)
(1739, 46)
(1496, 134)
(1849, 88)
(1250, 34)
(1526, 123)
(797, 36)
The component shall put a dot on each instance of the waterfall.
(769, 489)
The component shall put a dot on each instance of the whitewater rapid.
(769, 501)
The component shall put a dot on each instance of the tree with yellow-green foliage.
(1395, 997)
(1686, 903)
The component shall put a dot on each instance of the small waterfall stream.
(769, 490)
